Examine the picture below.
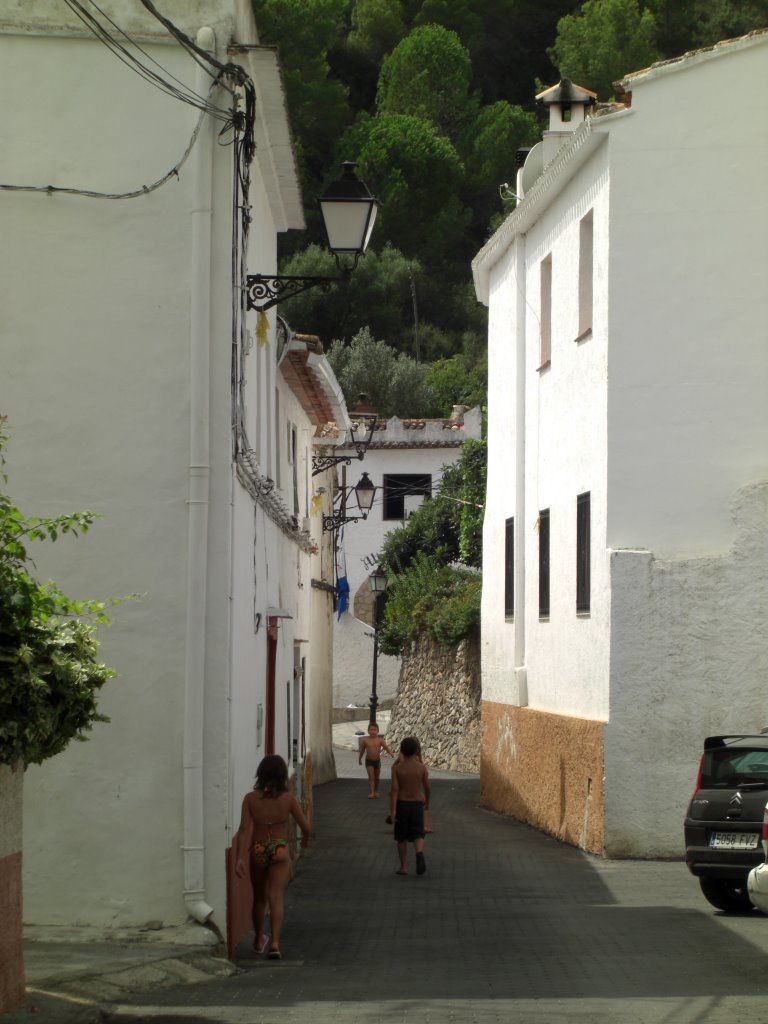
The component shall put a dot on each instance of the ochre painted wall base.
(545, 770)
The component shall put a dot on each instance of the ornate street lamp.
(378, 583)
(361, 435)
(364, 491)
(349, 213)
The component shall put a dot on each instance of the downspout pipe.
(521, 671)
(197, 503)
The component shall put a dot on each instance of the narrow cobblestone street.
(507, 924)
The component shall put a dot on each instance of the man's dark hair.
(409, 746)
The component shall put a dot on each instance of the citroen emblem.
(736, 799)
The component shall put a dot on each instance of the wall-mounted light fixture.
(363, 426)
(364, 491)
(349, 212)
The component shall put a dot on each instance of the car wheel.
(726, 894)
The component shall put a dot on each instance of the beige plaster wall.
(545, 770)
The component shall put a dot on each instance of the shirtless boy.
(410, 795)
(372, 746)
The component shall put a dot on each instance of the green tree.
(377, 27)
(454, 382)
(428, 75)
(689, 24)
(378, 295)
(459, 16)
(394, 382)
(49, 675)
(488, 148)
(417, 174)
(604, 41)
(304, 32)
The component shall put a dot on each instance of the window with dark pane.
(398, 487)
(544, 564)
(509, 568)
(583, 552)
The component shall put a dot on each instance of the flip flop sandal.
(260, 948)
(274, 954)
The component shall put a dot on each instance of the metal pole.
(374, 700)
(415, 315)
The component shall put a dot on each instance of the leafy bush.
(49, 675)
(442, 601)
(428, 592)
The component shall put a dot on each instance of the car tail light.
(699, 774)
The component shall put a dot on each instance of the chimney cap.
(362, 405)
(566, 92)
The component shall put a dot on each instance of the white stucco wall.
(688, 424)
(95, 356)
(96, 383)
(561, 414)
(688, 660)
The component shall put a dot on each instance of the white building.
(134, 386)
(404, 461)
(626, 528)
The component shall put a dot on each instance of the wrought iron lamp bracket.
(322, 462)
(337, 519)
(263, 291)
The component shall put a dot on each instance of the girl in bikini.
(262, 843)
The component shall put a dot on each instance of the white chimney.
(567, 110)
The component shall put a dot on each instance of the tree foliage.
(428, 75)
(378, 296)
(394, 382)
(605, 40)
(454, 381)
(49, 675)
(377, 27)
(433, 560)
(407, 156)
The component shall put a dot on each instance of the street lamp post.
(378, 583)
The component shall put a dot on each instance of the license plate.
(733, 840)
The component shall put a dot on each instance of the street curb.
(84, 998)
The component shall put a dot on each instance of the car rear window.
(725, 767)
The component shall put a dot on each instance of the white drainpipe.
(199, 487)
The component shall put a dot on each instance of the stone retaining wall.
(438, 701)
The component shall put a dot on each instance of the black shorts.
(409, 821)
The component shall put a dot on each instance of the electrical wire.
(152, 59)
(185, 94)
(143, 190)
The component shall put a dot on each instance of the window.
(544, 564)
(545, 319)
(295, 468)
(509, 569)
(583, 552)
(399, 487)
(585, 275)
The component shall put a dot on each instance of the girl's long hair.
(272, 776)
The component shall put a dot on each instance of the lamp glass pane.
(347, 224)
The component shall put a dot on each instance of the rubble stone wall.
(438, 701)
